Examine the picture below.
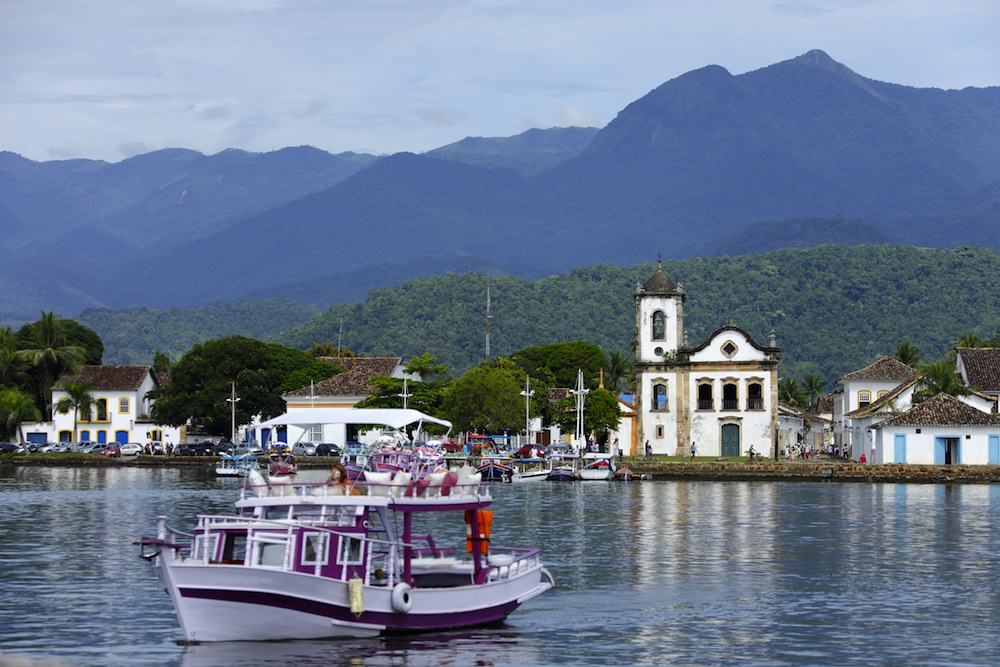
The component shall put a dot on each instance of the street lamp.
(233, 400)
(527, 393)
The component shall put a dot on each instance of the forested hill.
(833, 309)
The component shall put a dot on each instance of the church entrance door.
(730, 440)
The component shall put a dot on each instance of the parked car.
(277, 447)
(131, 449)
(88, 447)
(304, 449)
(328, 449)
(244, 448)
(157, 448)
(112, 450)
(195, 449)
(10, 448)
(61, 448)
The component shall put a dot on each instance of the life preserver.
(485, 520)
(402, 602)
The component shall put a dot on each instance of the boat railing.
(422, 488)
(506, 562)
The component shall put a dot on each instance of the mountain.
(705, 163)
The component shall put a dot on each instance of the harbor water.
(647, 573)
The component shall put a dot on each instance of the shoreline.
(835, 470)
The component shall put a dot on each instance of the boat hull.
(237, 603)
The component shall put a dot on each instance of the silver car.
(304, 449)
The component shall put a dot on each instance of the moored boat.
(597, 466)
(317, 560)
(565, 466)
(529, 470)
(236, 465)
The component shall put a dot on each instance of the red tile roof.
(354, 380)
(885, 369)
(108, 378)
(942, 410)
(982, 367)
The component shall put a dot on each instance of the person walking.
(694, 451)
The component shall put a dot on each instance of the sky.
(110, 79)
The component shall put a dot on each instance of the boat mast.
(488, 318)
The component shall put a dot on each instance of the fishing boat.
(565, 466)
(236, 465)
(597, 466)
(283, 464)
(312, 560)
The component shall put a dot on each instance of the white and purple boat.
(303, 560)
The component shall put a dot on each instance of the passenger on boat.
(338, 477)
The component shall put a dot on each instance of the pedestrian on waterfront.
(863, 459)
(649, 450)
(694, 451)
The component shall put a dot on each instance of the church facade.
(721, 395)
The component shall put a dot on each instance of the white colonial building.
(721, 395)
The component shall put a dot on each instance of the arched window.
(659, 325)
(123, 406)
(755, 396)
(730, 396)
(705, 399)
(864, 398)
(882, 393)
(101, 407)
(660, 397)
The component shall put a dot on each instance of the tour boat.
(236, 465)
(312, 560)
(597, 466)
(495, 467)
(565, 466)
(348, 558)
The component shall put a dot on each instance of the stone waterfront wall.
(819, 471)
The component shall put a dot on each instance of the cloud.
(446, 116)
(313, 108)
(132, 148)
(573, 117)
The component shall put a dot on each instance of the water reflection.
(739, 573)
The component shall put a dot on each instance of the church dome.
(659, 282)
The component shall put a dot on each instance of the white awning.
(392, 417)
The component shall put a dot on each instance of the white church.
(721, 395)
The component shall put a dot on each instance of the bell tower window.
(659, 325)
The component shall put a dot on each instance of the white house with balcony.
(121, 408)
(859, 390)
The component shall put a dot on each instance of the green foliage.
(47, 351)
(426, 397)
(907, 353)
(791, 393)
(487, 398)
(78, 399)
(202, 381)
(136, 335)
(559, 363)
(16, 407)
(936, 378)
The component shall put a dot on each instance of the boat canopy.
(395, 418)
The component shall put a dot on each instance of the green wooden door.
(730, 440)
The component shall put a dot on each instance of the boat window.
(234, 548)
(270, 554)
(351, 550)
(198, 552)
(314, 548)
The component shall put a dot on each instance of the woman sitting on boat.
(338, 478)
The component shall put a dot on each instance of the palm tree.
(790, 393)
(13, 368)
(617, 369)
(813, 388)
(16, 407)
(79, 400)
(50, 358)
(936, 378)
(907, 353)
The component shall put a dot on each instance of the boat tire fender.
(402, 600)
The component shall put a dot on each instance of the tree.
(427, 367)
(428, 398)
(16, 407)
(936, 378)
(601, 414)
(79, 400)
(907, 353)
(13, 366)
(328, 350)
(487, 398)
(161, 364)
(618, 371)
(790, 393)
(562, 361)
(813, 388)
(48, 355)
(202, 379)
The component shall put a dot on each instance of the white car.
(304, 449)
(131, 449)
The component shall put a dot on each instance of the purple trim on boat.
(392, 622)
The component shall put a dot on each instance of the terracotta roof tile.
(982, 367)
(108, 378)
(942, 410)
(354, 380)
(885, 369)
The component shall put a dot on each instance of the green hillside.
(833, 309)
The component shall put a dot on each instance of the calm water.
(647, 573)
